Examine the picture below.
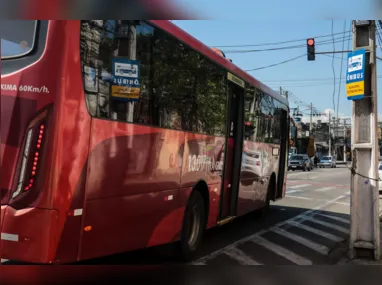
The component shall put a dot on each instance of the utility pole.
(344, 150)
(311, 116)
(364, 203)
(330, 135)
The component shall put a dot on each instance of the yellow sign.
(125, 92)
(355, 88)
(236, 79)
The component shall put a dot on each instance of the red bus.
(120, 135)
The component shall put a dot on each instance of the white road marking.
(198, 263)
(343, 203)
(318, 232)
(298, 197)
(290, 255)
(347, 193)
(299, 186)
(293, 191)
(329, 225)
(292, 221)
(336, 218)
(324, 189)
(316, 200)
(241, 256)
(308, 243)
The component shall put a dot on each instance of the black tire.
(271, 188)
(194, 225)
(304, 169)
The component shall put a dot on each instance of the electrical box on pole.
(361, 88)
(311, 49)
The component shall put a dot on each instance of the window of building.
(167, 84)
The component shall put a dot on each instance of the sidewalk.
(359, 261)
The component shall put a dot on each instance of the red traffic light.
(310, 42)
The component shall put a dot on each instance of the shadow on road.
(214, 239)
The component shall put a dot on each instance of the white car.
(327, 161)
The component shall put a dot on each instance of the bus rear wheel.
(194, 224)
(271, 188)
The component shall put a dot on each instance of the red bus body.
(100, 187)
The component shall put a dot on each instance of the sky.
(310, 81)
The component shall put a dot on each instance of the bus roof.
(210, 53)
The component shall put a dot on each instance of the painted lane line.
(198, 263)
(298, 197)
(343, 203)
(279, 250)
(240, 256)
(322, 249)
(287, 222)
(318, 232)
(299, 186)
(316, 200)
(336, 218)
(329, 225)
(324, 189)
(293, 191)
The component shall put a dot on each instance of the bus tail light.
(31, 156)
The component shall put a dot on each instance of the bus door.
(284, 125)
(233, 149)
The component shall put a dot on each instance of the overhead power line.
(274, 43)
(339, 82)
(334, 71)
(305, 79)
(284, 48)
(279, 63)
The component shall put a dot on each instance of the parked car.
(300, 161)
(327, 161)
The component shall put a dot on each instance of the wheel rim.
(194, 228)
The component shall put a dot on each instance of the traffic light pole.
(364, 204)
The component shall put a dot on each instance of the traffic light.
(311, 49)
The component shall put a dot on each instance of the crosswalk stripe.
(241, 256)
(293, 191)
(318, 232)
(291, 222)
(324, 189)
(299, 197)
(299, 186)
(198, 263)
(308, 243)
(335, 218)
(329, 225)
(290, 255)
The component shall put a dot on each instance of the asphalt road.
(299, 230)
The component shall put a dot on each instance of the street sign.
(362, 23)
(355, 75)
